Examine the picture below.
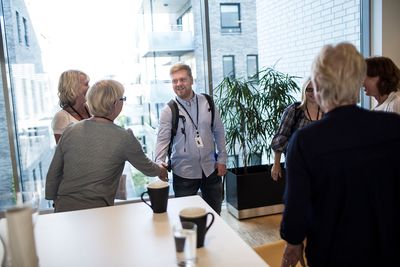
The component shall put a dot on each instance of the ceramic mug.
(158, 194)
(199, 217)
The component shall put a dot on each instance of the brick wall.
(237, 44)
(291, 32)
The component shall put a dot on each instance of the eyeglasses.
(123, 98)
(309, 90)
(181, 80)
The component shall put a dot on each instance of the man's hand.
(221, 169)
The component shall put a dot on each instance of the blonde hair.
(181, 66)
(102, 96)
(303, 103)
(68, 87)
(338, 72)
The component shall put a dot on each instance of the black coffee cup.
(199, 217)
(158, 194)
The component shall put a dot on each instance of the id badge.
(199, 142)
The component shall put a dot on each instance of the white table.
(131, 235)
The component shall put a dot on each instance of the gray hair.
(338, 72)
(102, 96)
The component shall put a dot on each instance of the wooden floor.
(255, 231)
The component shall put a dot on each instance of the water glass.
(185, 235)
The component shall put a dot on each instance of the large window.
(230, 18)
(136, 42)
(53, 42)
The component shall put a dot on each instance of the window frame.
(232, 73)
(18, 20)
(230, 29)
(26, 31)
(250, 76)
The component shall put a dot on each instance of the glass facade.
(134, 42)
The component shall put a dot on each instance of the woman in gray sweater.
(91, 154)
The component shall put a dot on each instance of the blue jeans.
(211, 189)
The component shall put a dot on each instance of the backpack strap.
(212, 108)
(174, 127)
(175, 117)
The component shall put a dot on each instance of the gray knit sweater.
(88, 163)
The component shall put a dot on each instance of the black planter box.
(253, 193)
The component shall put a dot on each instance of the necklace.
(309, 116)
(80, 116)
(104, 118)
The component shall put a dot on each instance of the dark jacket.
(342, 189)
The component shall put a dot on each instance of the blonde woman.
(90, 157)
(72, 88)
(294, 117)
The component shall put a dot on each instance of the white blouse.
(61, 120)
(391, 104)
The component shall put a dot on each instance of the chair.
(272, 253)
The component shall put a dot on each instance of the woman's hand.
(276, 172)
(163, 172)
(292, 255)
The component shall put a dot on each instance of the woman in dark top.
(342, 174)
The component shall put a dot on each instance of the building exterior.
(30, 97)
(174, 32)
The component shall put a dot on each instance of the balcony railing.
(167, 43)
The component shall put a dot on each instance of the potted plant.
(251, 111)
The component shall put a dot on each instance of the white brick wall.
(291, 32)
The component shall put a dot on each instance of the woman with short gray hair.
(104, 96)
(338, 71)
(91, 155)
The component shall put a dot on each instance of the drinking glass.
(185, 234)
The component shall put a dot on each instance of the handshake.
(164, 168)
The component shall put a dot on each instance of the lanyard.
(308, 113)
(190, 117)
(80, 116)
